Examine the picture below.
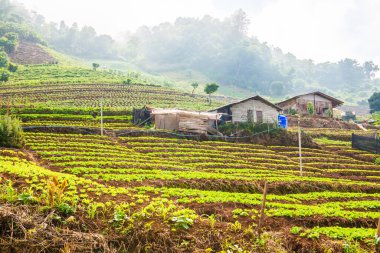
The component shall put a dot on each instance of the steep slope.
(30, 53)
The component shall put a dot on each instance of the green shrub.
(128, 81)
(95, 66)
(330, 113)
(11, 133)
(3, 59)
(9, 42)
(295, 230)
(25, 198)
(310, 108)
(377, 161)
(232, 128)
(259, 128)
(246, 127)
(65, 208)
(4, 76)
(12, 67)
(292, 111)
(183, 219)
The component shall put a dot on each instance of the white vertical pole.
(299, 144)
(101, 117)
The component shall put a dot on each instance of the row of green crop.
(281, 206)
(199, 160)
(74, 88)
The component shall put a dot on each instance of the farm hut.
(185, 121)
(253, 109)
(323, 104)
(141, 116)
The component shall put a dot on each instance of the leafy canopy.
(211, 88)
(374, 102)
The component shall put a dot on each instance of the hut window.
(259, 116)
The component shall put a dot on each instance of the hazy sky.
(322, 30)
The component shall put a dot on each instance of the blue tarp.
(282, 121)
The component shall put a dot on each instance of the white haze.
(322, 30)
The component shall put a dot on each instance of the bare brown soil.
(28, 53)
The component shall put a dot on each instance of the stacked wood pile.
(185, 121)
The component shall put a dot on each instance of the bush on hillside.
(12, 67)
(23, 32)
(9, 42)
(3, 59)
(245, 128)
(95, 66)
(374, 102)
(4, 75)
(11, 133)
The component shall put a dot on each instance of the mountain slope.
(30, 53)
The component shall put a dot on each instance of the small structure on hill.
(186, 121)
(322, 104)
(141, 116)
(253, 109)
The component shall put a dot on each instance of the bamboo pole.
(300, 144)
(261, 220)
(377, 246)
(101, 117)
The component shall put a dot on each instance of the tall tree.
(13, 12)
(374, 102)
(194, 85)
(209, 89)
(370, 69)
(6, 10)
(240, 21)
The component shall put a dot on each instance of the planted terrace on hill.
(194, 190)
(57, 86)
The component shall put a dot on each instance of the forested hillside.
(206, 50)
(222, 50)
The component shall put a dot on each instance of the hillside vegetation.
(209, 50)
(150, 192)
(57, 86)
(66, 188)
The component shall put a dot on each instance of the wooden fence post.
(261, 220)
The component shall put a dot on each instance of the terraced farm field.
(111, 122)
(89, 95)
(175, 195)
(330, 133)
(70, 87)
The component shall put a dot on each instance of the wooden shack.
(323, 104)
(185, 121)
(253, 109)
